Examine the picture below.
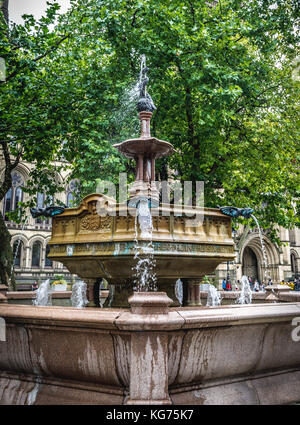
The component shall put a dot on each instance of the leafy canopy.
(222, 75)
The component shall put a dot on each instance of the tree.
(221, 76)
(47, 114)
(29, 112)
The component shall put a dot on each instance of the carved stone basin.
(102, 246)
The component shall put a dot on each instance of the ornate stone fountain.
(96, 239)
(150, 353)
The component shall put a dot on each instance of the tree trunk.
(4, 9)
(6, 256)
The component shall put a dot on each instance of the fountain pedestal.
(149, 377)
(144, 150)
(193, 298)
(90, 293)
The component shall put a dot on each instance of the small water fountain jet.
(213, 296)
(179, 291)
(144, 275)
(78, 297)
(43, 295)
(246, 293)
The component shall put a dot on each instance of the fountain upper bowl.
(97, 239)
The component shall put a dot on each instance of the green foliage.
(209, 281)
(222, 76)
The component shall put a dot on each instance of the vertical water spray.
(144, 192)
(144, 274)
(78, 297)
(179, 291)
(43, 294)
(142, 66)
(213, 296)
(124, 115)
(246, 293)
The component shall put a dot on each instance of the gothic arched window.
(41, 203)
(17, 255)
(14, 195)
(294, 267)
(292, 236)
(72, 190)
(8, 202)
(18, 196)
(70, 200)
(36, 254)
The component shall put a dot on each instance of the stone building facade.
(30, 241)
(31, 262)
(283, 261)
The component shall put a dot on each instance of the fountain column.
(193, 296)
(90, 293)
(152, 169)
(140, 168)
(145, 118)
(145, 149)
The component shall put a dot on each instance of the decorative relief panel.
(90, 222)
(161, 223)
(125, 223)
(93, 222)
(106, 223)
(62, 225)
(128, 248)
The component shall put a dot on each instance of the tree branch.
(38, 58)
(255, 98)
(4, 9)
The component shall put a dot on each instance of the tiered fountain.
(93, 245)
(150, 353)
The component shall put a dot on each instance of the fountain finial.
(145, 149)
(145, 102)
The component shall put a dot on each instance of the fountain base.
(150, 354)
(122, 293)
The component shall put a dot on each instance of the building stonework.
(283, 261)
(32, 264)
